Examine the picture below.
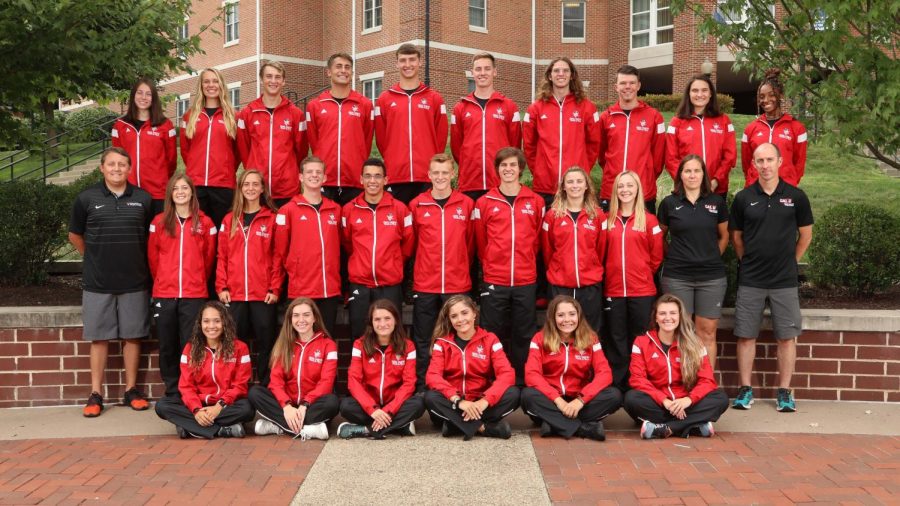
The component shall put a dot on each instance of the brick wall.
(50, 366)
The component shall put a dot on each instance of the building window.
(573, 21)
(181, 107)
(232, 22)
(371, 14)
(372, 88)
(234, 95)
(651, 22)
(183, 35)
(478, 14)
(726, 12)
(470, 85)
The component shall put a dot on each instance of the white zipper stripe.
(409, 133)
(180, 257)
(577, 269)
(208, 137)
(562, 383)
(559, 167)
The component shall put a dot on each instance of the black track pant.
(426, 307)
(258, 319)
(174, 320)
(536, 404)
(641, 406)
(173, 410)
(409, 411)
(215, 202)
(508, 312)
(361, 297)
(626, 318)
(325, 408)
(405, 192)
(329, 307)
(443, 408)
(340, 194)
(591, 300)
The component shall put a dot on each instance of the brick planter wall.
(844, 355)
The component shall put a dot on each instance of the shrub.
(669, 103)
(34, 215)
(856, 247)
(82, 125)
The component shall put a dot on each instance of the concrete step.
(73, 174)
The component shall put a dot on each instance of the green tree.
(68, 49)
(839, 59)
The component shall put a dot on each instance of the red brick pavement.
(730, 468)
(154, 470)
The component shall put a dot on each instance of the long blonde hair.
(283, 350)
(584, 335)
(237, 203)
(689, 344)
(443, 327)
(200, 103)
(589, 206)
(640, 212)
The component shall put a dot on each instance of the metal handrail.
(69, 158)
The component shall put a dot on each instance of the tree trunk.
(51, 147)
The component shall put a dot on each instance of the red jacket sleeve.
(746, 152)
(356, 382)
(184, 144)
(602, 374)
(729, 154)
(368, 125)
(655, 236)
(638, 371)
(346, 228)
(591, 134)
(408, 387)
(243, 139)
(240, 378)
(326, 378)
(800, 144)
(706, 381)
(456, 132)
(658, 144)
(156, 229)
(171, 151)
(504, 375)
(671, 157)
(441, 127)
(407, 233)
(381, 132)
(434, 378)
(480, 227)
(530, 135)
(601, 148)
(470, 238)
(209, 248)
(301, 145)
(312, 131)
(190, 395)
(282, 243)
(546, 234)
(534, 370)
(222, 264)
(514, 126)
(602, 236)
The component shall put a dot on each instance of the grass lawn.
(35, 161)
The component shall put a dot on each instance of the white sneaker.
(264, 427)
(314, 431)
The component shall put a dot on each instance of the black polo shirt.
(769, 224)
(115, 238)
(693, 252)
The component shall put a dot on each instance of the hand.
(205, 417)
(574, 408)
(713, 184)
(678, 406)
(294, 417)
(470, 410)
(225, 297)
(564, 407)
(382, 420)
(271, 298)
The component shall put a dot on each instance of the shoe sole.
(742, 406)
(91, 415)
(785, 409)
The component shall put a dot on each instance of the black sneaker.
(592, 430)
(182, 434)
(236, 430)
(136, 400)
(94, 406)
(500, 430)
(546, 429)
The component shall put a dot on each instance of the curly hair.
(198, 339)
(772, 78)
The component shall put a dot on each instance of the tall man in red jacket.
(340, 125)
(407, 109)
(481, 124)
(507, 221)
(271, 136)
(632, 137)
(378, 234)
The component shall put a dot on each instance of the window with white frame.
(181, 107)
(573, 21)
(478, 14)
(470, 84)
(372, 88)
(234, 95)
(651, 22)
(232, 22)
(183, 35)
(727, 13)
(371, 14)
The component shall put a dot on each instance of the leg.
(605, 403)
(134, 325)
(508, 403)
(442, 408)
(426, 307)
(641, 406)
(787, 357)
(591, 300)
(188, 309)
(173, 410)
(537, 404)
(748, 313)
(262, 318)
(131, 356)
(706, 330)
(328, 307)
(650, 206)
(240, 313)
(360, 298)
(409, 411)
(495, 305)
(99, 354)
(616, 343)
(239, 412)
(220, 200)
(787, 323)
(708, 297)
(324, 409)
(638, 322)
(354, 413)
(165, 312)
(524, 325)
(708, 409)
(393, 293)
(267, 406)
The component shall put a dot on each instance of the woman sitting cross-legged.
(215, 372)
(673, 388)
(382, 379)
(569, 380)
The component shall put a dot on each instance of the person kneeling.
(673, 388)
(299, 399)
(215, 372)
(382, 379)
(569, 380)
(470, 380)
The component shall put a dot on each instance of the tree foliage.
(839, 59)
(68, 49)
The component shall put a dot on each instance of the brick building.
(599, 35)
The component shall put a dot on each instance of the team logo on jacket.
(424, 104)
(496, 209)
(786, 134)
(331, 219)
(393, 104)
(479, 352)
(528, 209)
(543, 116)
(589, 224)
(399, 360)
(575, 117)
(316, 357)
(371, 360)
(787, 202)
(154, 132)
(324, 111)
(263, 232)
(459, 214)
(689, 128)
(286, 125)
(499, 114)
(655, 355)
(716, 129)
(256, 122)
(354, 111)
(426, 215)
(642, 127)
(582, 355)
(390, 221)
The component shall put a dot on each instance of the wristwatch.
(222, 403)
(455, 404)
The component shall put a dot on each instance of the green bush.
(81, 125)
(856, 247)
(669, 103)
(34, 215)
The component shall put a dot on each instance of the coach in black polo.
(771, 227)
(109, 227)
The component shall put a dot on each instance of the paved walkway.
(735, 467)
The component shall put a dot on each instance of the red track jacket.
(312, 373)
(445, 243)
(180, 265)
(790, 137)
(341, 135)
(152, 151)
(398, 117)
(245, 263)
(480, 370)
(508, 237)
(631, 258)
(477, 134)
(308, 248)
(557, 137)
(658, 374)
(215, 379)
(384, 380)
(274, 144)
(574, 251)
(631, 142)
(709, 138)
(211, 157)
(568, 373)
(378, 241)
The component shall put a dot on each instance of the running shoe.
(264, 427)
(499, 430)
(349, 430)
(409, 430)
(702, 430)
(784, 401)
(744, 399)
(94, 406)
(592, 430)
(546, 430)
(650, 430)
(236, 430)
(135, 399)
(314, 431)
